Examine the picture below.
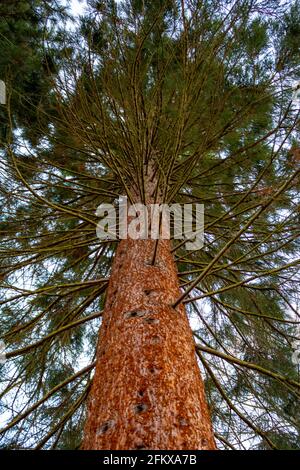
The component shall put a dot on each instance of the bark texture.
(147, 391)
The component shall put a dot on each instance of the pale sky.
(77, 6)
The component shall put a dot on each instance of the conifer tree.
(172, 102)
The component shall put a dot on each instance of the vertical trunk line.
(147, 392)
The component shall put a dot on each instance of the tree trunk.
(147, 392)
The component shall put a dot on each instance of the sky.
(77, 6)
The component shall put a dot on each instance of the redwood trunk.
(147, 391)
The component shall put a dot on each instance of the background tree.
(26, 64)
(201, 91)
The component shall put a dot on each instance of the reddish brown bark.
(147, 390)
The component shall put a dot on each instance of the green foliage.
(27, 64)
(203, 96)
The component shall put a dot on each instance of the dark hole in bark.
(149, 291)
(140, 407)
(155, 339)
(135, 314)
(141, 393)
(106, 426)
(151, 320)
(140, 447)
(153, 370)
